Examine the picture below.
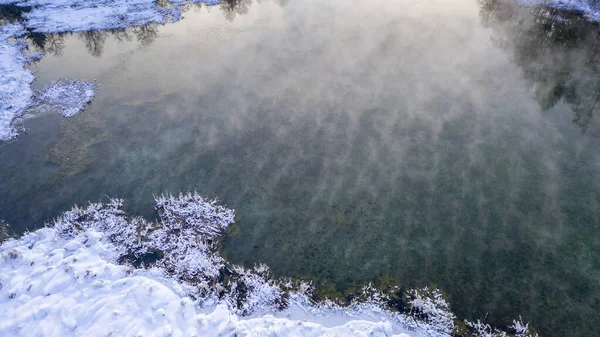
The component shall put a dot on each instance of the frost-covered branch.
(182, 238)
(4, 231)
(432, 307)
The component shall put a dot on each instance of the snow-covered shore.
(51, 285)
(85, 275)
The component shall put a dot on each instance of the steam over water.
(446, 142)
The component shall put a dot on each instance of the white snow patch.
(66, 95)
(15, 80)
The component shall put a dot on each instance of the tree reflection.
(50, 43)
(232, 8)
(146, 34)
(54, 43)
(558, 51)
(94, 41)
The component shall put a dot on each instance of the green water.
(446, 142)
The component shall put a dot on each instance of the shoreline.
(184, 239)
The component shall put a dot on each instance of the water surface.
(441, 142)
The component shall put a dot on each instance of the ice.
(68, 96)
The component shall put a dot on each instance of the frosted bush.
(183, 237)
(481, 329)
(253, 289)
(191, 211)
(434, 309)
(522, 329)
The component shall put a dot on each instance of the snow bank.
(15, 80)
(88, 275)
(51, 285)
(589, 8)
(52, 16)
(79, 15)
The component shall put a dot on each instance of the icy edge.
(99, 251)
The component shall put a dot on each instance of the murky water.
(446, 142)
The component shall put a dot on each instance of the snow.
(590, 9)
(80, 15)
(54, 16)
(68, 96)
(57, 286)
(81, 277)
(15, 80)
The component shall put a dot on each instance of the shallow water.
(447, 142)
